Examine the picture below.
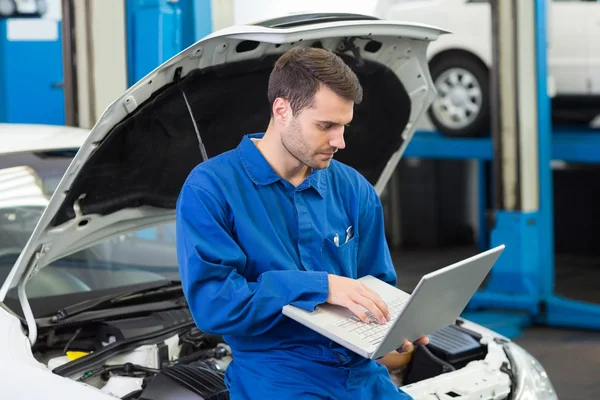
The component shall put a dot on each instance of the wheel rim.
(459, 98)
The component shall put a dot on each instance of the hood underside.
(129, 172)
(227, 103)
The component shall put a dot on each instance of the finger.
(369, 305)
(422, 341)
(357, 310)
(406, 347)
(369, 289)
(379, 302)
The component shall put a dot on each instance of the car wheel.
(462, 107)
(7, 8)
(42, 7)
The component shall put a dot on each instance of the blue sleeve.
(221, 300)
(374, 256)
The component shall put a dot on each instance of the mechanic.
(277, 221)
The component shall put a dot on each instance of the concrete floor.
(571, 357)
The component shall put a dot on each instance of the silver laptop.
(437, 301)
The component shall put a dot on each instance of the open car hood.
(128, 173)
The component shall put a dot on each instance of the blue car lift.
(520, 288)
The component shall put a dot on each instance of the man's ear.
(282, 112)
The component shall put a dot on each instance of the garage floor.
(571, 357)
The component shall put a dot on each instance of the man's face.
(316, 133)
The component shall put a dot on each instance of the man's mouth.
(327, 156)
(328, 153)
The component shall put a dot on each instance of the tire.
(462, 108)
(42, 7)
(8, 8)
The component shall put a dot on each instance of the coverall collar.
(261, 173)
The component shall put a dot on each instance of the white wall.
(101, 56)
(222, 13)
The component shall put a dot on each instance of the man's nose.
(337, 139)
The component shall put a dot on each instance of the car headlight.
(532, 381)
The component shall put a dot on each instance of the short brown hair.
(300, 71)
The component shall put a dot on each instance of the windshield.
(27, 182)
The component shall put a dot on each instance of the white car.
(460, 63)
(91, 307)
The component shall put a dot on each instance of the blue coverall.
(249, 242)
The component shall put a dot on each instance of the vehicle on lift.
(460, 63)
(76, 323)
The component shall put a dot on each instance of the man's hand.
(353, 294)
(408, 346)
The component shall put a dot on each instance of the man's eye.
(325, 127)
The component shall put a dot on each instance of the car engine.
(163, 355)
(186, 382)
(197, 374)
(189, 366)
(152, 356)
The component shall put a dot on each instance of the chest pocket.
(340, 260)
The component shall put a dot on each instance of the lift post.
(523, 278)
(517, 136)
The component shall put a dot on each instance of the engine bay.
(190, 366)
(163, 355)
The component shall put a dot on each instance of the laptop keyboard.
(372, 331)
